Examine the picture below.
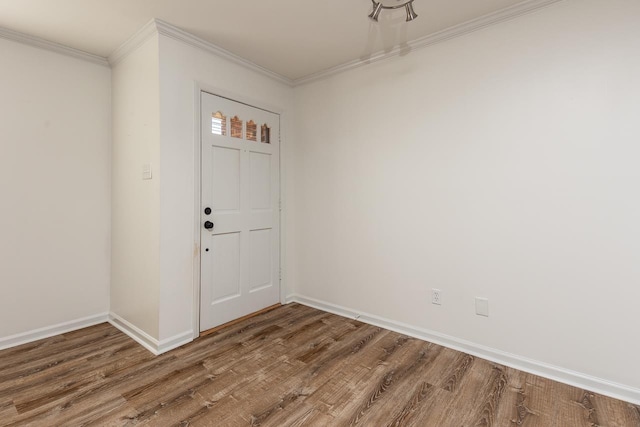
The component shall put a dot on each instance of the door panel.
(240, 255)
(260, 182)
(225, 163)
(260, 261)
(226, 271)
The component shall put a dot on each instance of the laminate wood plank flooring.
(291, 366)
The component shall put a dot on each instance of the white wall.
(502, 164)
(55, 131)
(181, 65)
(135, 268)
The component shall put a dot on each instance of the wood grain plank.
(300, 380)
(514, 401)
(7, 410)
(44, 381)
(400, 363)
(239, 320)
(489, 409)
(291, 366)
(295, 379)
(39, 351)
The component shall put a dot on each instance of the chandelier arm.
(393, 7)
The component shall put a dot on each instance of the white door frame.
(197, 174)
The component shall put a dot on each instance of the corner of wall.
(135, 268)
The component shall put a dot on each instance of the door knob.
(208, 225)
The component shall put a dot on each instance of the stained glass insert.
(236, 127)
(266, 134)
(252, 131)
(219, 124)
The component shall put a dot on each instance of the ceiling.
(294, 38)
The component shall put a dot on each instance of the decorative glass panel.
(252, 131)
(236, 127)
(219, 124)
(266, 134)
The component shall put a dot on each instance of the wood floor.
(293, 366)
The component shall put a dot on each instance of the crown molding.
(502, 15)
(169, 30)
(134, 42)
(156, 26)
(34, 41)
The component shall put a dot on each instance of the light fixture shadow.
(391, 32)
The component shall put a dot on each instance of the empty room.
(330, 213)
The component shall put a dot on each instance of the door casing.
(203, 87)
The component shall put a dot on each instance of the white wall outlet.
(482, 306)
(436, 296)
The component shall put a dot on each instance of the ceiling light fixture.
(378, 6)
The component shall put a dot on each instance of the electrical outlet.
(436, 296)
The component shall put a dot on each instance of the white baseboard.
(556, 373)
(147, 341)
(175, 341)
(49, 331)
(135, 333)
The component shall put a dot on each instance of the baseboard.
(175, 341)
(147, 341)
(573, 378)
(135, 333)
(49, 331)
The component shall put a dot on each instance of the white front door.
(240, 214)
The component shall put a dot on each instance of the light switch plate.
(482, 306)
(146, 171)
